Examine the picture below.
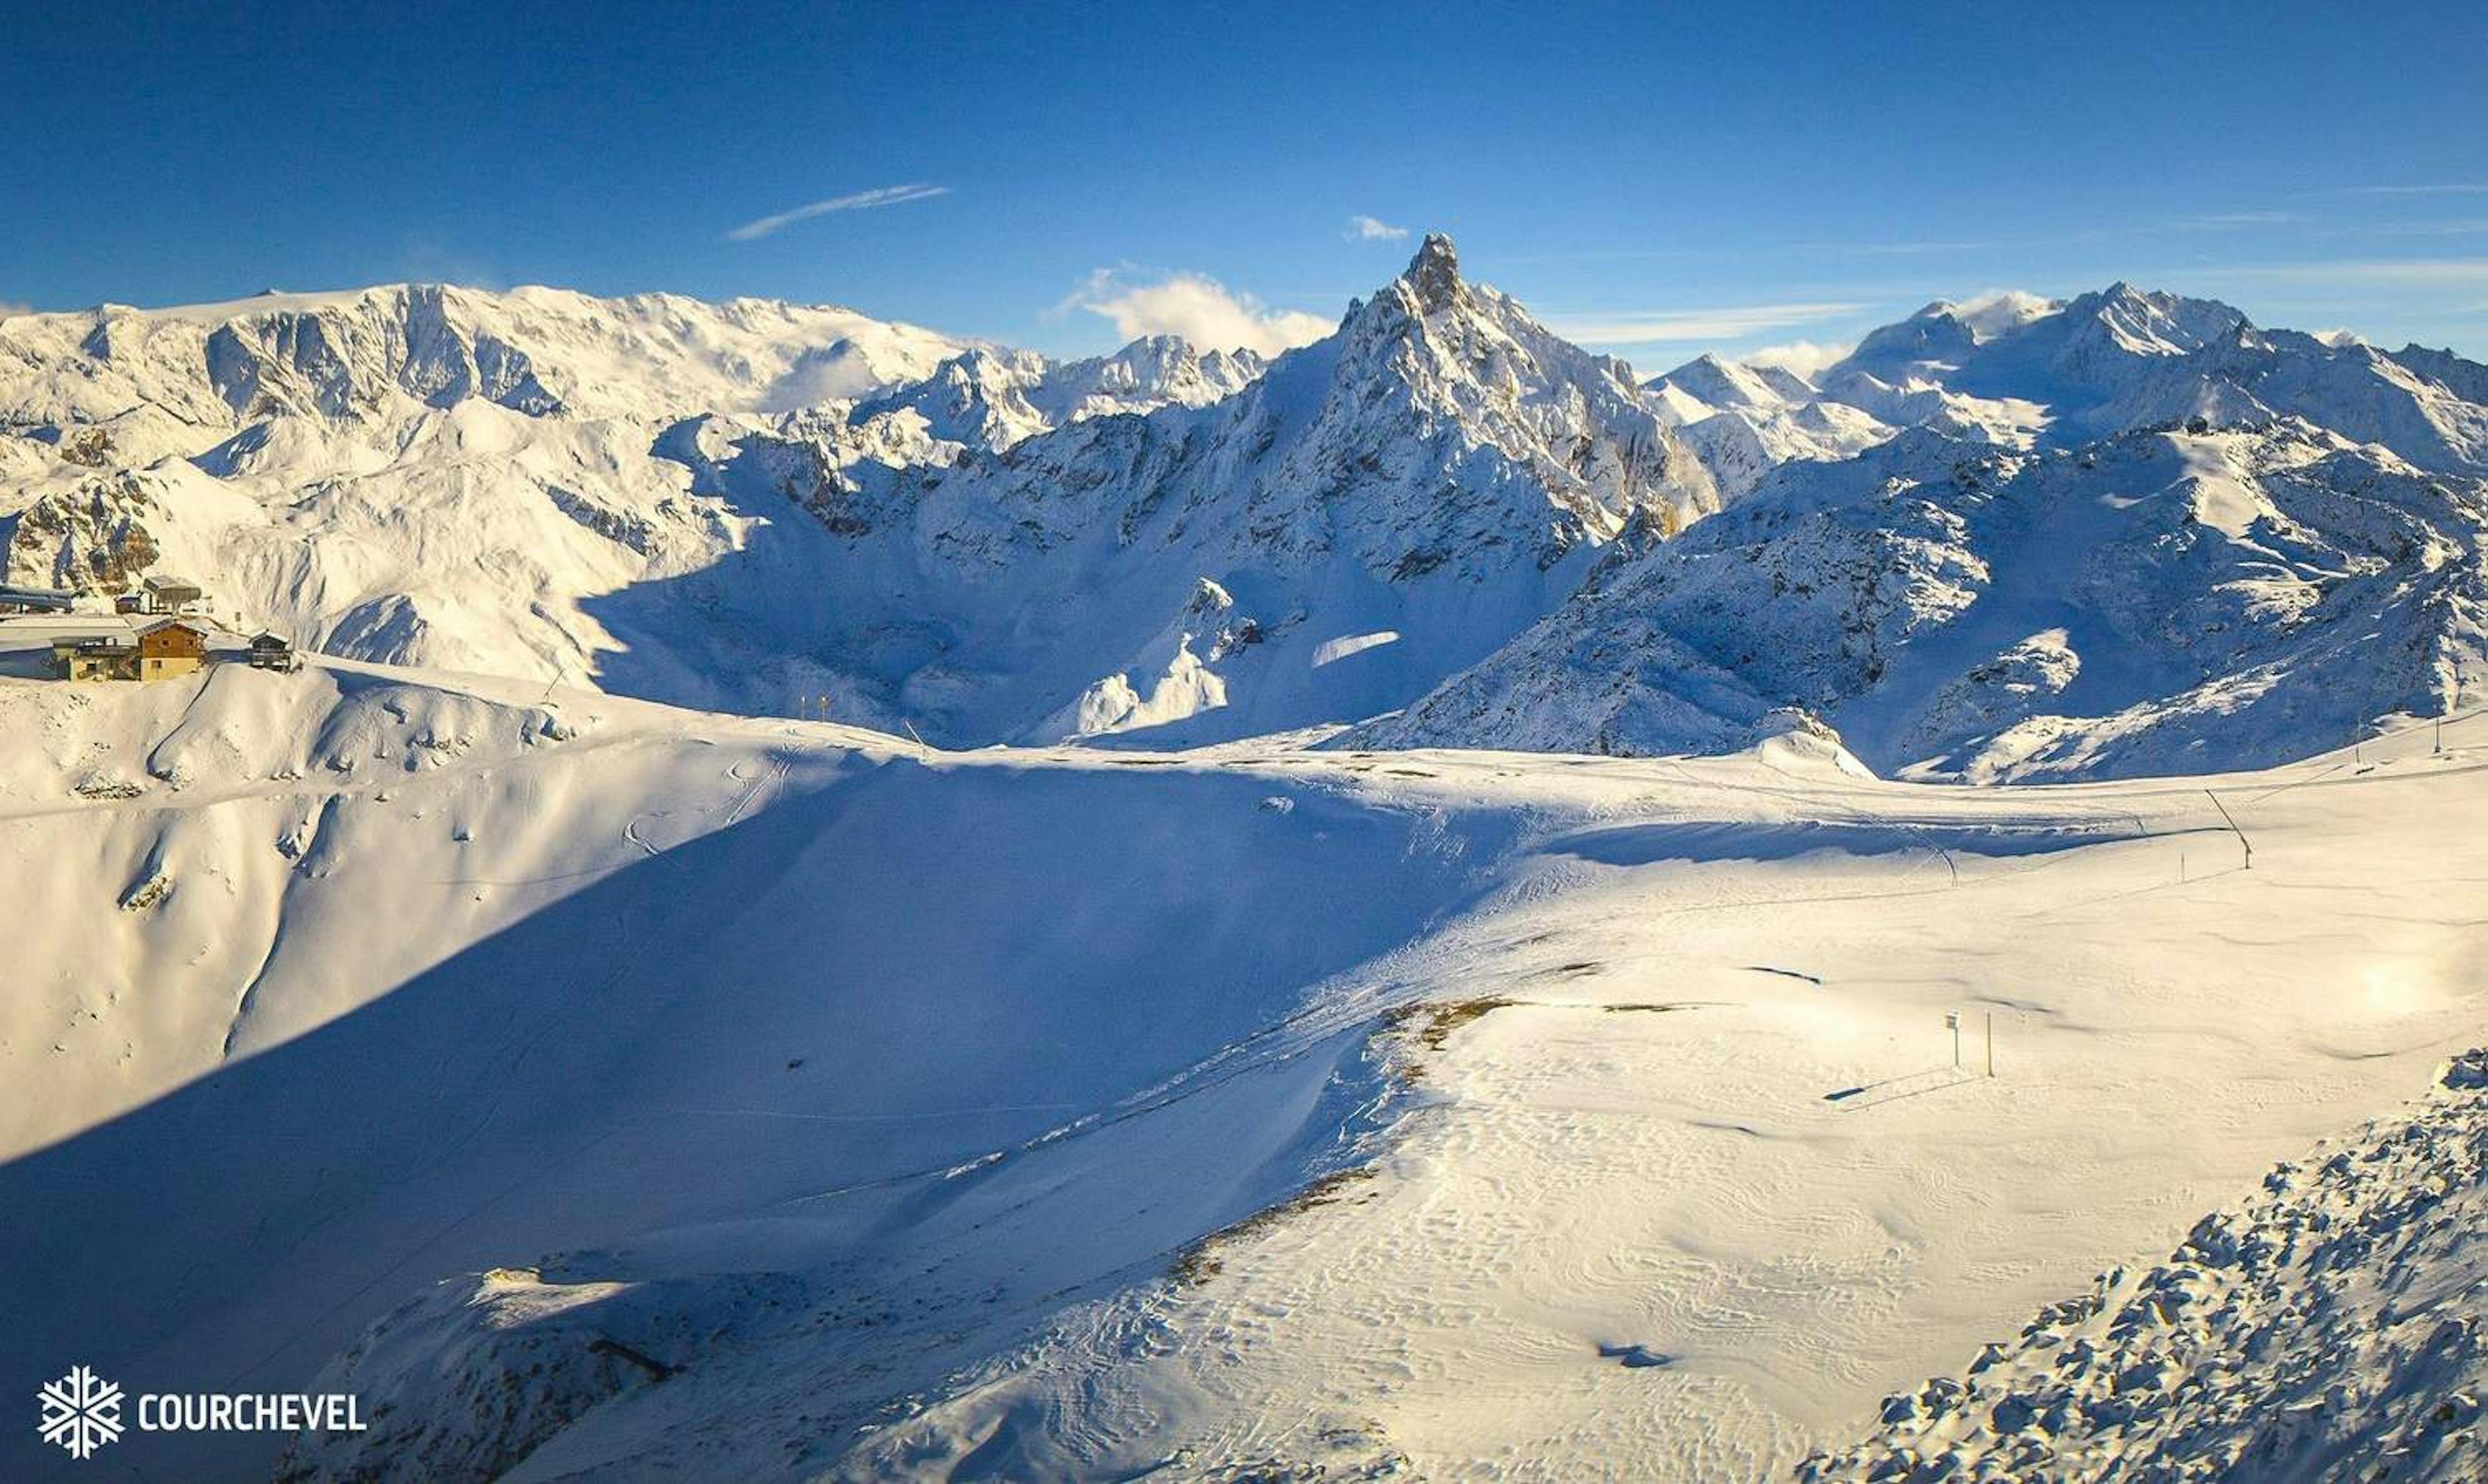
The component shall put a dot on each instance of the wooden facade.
(169, 649)
(157, 651)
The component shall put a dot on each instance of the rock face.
(2328, 1321)
(92, 538)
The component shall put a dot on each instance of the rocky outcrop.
(2328, 1321)
(92, 539)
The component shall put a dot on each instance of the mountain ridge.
(771, 508)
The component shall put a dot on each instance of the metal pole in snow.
(1952, 1022)
(1991, 1042)
(2233, 827)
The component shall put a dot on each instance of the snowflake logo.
(81, 1411)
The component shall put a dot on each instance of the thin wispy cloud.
(1672, 326)
(2210, 221)
(860, 201)
(2453, 227)
(2392, 273)
(2444, 188)
(1372, 228)
(1196, 307)
(1900, 249)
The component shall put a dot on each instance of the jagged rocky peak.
(2155, 324)
(1433, 275)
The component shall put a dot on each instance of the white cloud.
(1805, 358)
(10, 307)
(1196, 307)
(1670, 327)
(862, 199)
(1372, 228)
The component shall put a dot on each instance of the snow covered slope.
(2329, 1329)
(331, 983)
(1744, 420)
(1065, 1113)
(2154, 602)
(207, 867)
(985, 399)
(504, 484)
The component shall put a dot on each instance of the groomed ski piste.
(602, 1090)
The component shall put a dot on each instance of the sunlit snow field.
(1047, 1114)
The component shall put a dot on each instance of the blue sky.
(1653, 179)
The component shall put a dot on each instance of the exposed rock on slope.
(2329, 1329)
(90, 538)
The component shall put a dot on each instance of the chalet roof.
(158, 625)
(165, 581)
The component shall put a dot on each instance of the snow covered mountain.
(154, 380)
(2128, 533)
(753, 505)
(1744, 420)
(2010, 538)
(2016, 369)
(992, 398)
(442, 475)
(2154, 602)
(1375, 511)
(598, 1088)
